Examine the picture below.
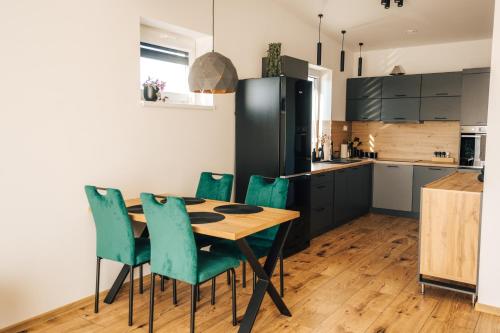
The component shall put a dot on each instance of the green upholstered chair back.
(215, 189)
(115, 237)
(274, 194)
(173, 248)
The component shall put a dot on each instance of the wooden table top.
(234, 226)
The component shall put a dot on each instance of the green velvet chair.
(115, 238)
(261, 192)
(174, 252)
(213, 188)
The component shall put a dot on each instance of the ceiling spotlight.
(399, 2)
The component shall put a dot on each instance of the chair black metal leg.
(141, 280)
(174, 291)
(97, 278)
(193, 307)
(198, 293)
(162, 283)
(233, 295)
(131, 297)
(244, 273)
(212, 298)
(282, 276)
(152, 303)
(228, 278)
(254, 281)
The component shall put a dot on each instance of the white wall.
(70, 117)
(489, 267)
(432, 58)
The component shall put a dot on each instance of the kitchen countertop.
(326, 167)
(458, 181)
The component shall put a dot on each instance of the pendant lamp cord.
(319, 28)
(213, 25)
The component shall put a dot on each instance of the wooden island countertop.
(458, 181)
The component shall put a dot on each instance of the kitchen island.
(449, 233)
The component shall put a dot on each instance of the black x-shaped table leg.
(264, 284)
(115, 288)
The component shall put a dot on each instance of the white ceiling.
(369, 22)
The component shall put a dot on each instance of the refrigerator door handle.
(296, 175)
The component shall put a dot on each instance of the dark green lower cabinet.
(352, 193)
(339, 197)
(321, 203)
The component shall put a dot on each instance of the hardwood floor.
(361, 277)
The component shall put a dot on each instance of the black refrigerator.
(273, 139)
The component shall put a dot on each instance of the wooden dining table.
(235, 227)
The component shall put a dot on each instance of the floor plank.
(360, 277)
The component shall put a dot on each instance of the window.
(166, 53)
(316, 123)
(321, 79)
(165, 64)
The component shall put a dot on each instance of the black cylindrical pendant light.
(360, 61)
(318, 47)
(342, 53)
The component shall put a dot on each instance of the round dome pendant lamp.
(213, 73)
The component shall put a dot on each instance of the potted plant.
(153, 89)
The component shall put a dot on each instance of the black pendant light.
(387, 3)
(213, 73)
(342, 53)
(360, 61)
(318, 48)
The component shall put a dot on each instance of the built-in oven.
(472, 147)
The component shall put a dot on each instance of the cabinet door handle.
(398, 118)
(436, 169)
(442, 94)
(400, 95)
(440, 118)
(393, 166)
(364, 118)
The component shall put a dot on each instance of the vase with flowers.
(153, 89)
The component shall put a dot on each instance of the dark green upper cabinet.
(476, 86)
(400, 110)
(440, 108)
(442, 84)
(363, 109)
(364, 87)
(401, 86)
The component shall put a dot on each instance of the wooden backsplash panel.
(336, 130)
(409, 141)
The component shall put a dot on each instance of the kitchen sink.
(341, 161)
